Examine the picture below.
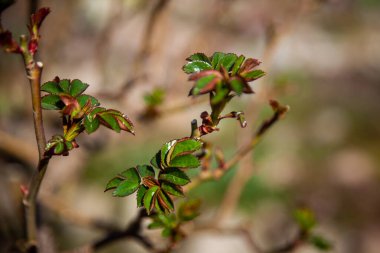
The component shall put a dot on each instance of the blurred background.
(322, 58)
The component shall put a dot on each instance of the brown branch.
(34, 70)
(18, 149)
(148, 31)
(33, 6)
(132, 231)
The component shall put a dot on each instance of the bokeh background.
(322, 58)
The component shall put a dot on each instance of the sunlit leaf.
(237, 85)
(237, 65)
(113, 183)
(150, 198)
(140, 195)
(198, 57)
(131, 182)
(165, 154)
(65, 85)
(216, 60)
(186, 146)
(77, 87)
(145, 171)
(91, 123)
(253, 75)
(82, 100)
(52, 88)
(196, 66)
(174, 176)
(156, 160)
(185, 161)
(172, 189)
(165, 202)
(52, 102)
(228, 61)
(205, 84)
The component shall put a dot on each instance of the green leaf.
(165, 156)
(82, 100)
(165, 202)
(52, 88)
(237, 85)
(202, 83)
(52, 102)
(216, 60)
(174, 176)
(220, 94)
(228, 61)
(149, 198)
(156, 160)
(130, 184)
(109, 121)
(155, 224)
(185, 161)
(196, 66)
(155, 98)
(198, 57)
(320, 242)
(113, 183)
(172, 189)
(166, 232)
(145, 171)
(253, 75)
(69, 145)
(65, 85)
(305, 219)
(186, 146)
(167, 220)
(59, 148)
(140, 195)
(77, 87)
(239, 61)
(188, 210)
(91, 123)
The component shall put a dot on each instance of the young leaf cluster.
(28, 45)
(80, 112)
(157, 185)
(221, 74)
(171, 224)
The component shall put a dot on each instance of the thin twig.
(132, 231)
(279, 112)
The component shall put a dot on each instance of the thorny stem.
(34, 71)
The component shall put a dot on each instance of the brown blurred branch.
(144, 50)
(57, 205)
(243, 230)
(132, 231)
(33, 6)
(18, 149)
